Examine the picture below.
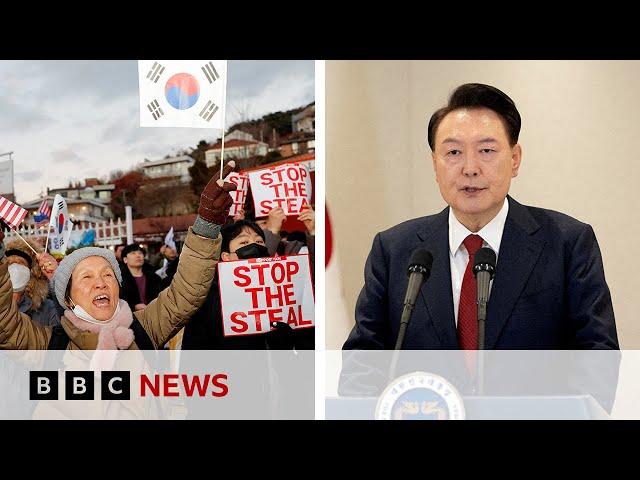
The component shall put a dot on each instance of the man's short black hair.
(478, 95)
(231, 231)
(132, 247)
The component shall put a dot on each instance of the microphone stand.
(482, 317)
(404, 322)
(483, 278)
(415, 282)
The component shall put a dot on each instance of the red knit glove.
(215, 200)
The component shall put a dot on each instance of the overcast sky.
(69, 120)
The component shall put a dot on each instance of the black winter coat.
(129, 291)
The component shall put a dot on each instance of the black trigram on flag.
(210, 72)
(209, 111)
(156, 71)
(155, 109)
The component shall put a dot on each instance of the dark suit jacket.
(549, 291)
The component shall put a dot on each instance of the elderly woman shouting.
(87, 284)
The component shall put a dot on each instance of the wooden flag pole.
(28, 245)
(46, 245)
(224, 117)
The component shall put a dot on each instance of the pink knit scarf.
(112, 335)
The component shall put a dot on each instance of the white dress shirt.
(491, 235)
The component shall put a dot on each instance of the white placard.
(287, 186)
(240, 194)
(256, 292)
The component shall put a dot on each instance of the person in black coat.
(140, 284)
(240, 240)
(268, 385)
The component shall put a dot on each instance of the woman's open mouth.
(101, 301)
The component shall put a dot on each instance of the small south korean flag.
(182, 93)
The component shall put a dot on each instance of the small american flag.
(11, 213)
(44, 208)
(43, 214)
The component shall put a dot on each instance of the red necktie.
(468, 309)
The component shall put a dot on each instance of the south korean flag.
(182, 93)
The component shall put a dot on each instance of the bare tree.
(165, 200)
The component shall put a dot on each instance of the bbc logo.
(79, 385)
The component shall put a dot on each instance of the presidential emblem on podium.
(420, 396)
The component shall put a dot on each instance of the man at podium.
(549, 289)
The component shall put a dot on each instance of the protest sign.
(287, 186)
(239, 195)
(258, 291)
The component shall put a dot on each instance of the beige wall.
(580, 137)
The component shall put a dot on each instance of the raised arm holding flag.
(87, 286)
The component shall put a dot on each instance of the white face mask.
(20, 276)
(82, 313)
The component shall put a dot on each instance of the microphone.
(418, 272)
(484, 268)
